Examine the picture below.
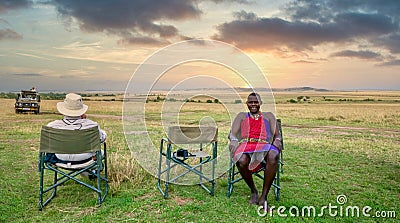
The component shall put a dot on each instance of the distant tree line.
(52, 95)
(45, 96)
(300, 99)
(8, 95)
(158, 99)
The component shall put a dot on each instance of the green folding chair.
(194, 149)
(234, 175)
(63, 141)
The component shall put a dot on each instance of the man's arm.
(277, 138)
(235, 131)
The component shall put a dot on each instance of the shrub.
(8, 95)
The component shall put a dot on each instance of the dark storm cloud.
(9, 34)
(326, 10)
(252, 32)
(140, 21)
(242, 15)
(309, 23)
(391, 63)
(364, 54)
(238, 1)
(270, 33)
(391, 42)
(6, 5)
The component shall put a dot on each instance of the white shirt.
(76, 123)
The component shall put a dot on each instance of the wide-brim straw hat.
(72, 105)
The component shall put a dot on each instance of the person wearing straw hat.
(74, 118)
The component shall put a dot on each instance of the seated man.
(73, 110)
(255, 142)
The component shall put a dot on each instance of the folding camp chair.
(234, 175)
(63, 141)
(173, 155)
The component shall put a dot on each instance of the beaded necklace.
(255, 116)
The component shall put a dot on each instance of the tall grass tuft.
(125, 169)
(122, 166)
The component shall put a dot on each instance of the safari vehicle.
(27, 101)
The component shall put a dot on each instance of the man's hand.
(278, 144)
(232, 146)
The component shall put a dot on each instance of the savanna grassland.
(336, 143)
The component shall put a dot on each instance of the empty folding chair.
(192, 148)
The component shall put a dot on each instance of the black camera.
(182, 153)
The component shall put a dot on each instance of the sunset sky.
(78, 45)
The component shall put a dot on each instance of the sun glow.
(247, 87)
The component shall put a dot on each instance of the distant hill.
(300, 89)
(285, 89)
(241, 89)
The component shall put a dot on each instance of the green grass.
(324, 158)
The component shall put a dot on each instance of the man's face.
(253, 104)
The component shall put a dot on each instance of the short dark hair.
(256, 95)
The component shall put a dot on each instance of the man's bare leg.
(243, 167)
(272, 159)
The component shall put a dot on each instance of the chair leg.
(98, 185)
(164, 192)
(212, 187)
(215, 146)
(54, 182)
(41, 191)
(41, 185)
(100, 167)
(278, 180)
(201, 171)
(159, 173)
(105, 171)
(231, 178)
(168, 159)
(106, 179)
